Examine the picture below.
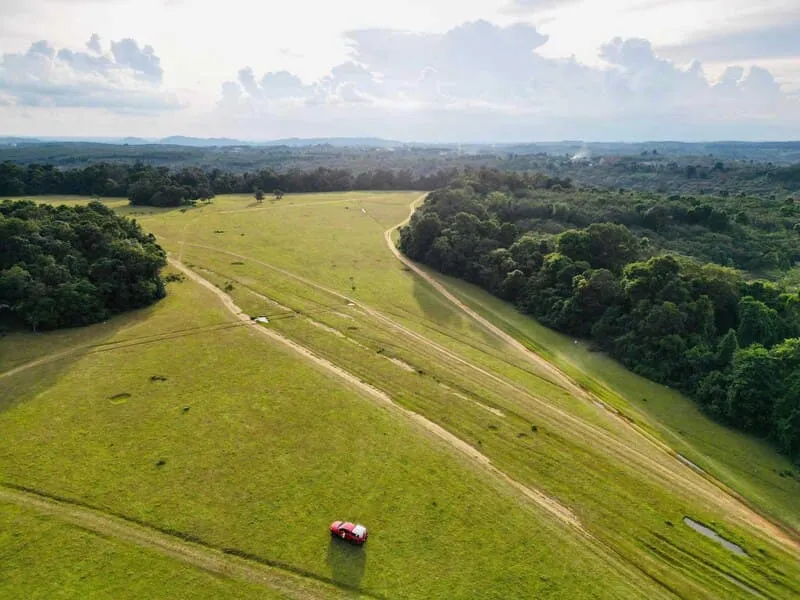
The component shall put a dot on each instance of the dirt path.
(203, 557)
(552, 506)
(39, 361)
(668, 467)
(724, 496)
(557, 376)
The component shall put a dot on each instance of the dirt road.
(557, 376)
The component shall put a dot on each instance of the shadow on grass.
(346, 562)
(146, 210)
(30, 382)
(435, 307)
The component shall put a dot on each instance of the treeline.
(730, 343)
(160, 186)
(68, 266)
(755, 234)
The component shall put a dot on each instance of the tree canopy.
(726, 340)
(67, 266)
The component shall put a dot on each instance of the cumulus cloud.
(143, 62)
(483, 80)
(127, 78)
(94, 44)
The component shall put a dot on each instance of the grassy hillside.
(246, 445)
(747, 464)
(267, 454)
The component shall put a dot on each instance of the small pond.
(710, 533)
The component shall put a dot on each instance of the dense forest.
(644, 277)
(69, 266)
(734, 167)
(160, 186)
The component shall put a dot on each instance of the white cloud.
(483, 77)
(94, 44)
(125, 79)
(143, 62)
(411, 67)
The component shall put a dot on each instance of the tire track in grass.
(551, 505)
(39, 361)
(682, 476)
(561, 513)
(285, 205)
(227, 562)
(117, 345)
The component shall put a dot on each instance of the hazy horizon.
(477, 142)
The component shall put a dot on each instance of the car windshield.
(359, 531)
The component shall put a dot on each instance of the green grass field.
(45, 558)
(246, 445)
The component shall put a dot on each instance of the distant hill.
(135, 141)
(181, 140)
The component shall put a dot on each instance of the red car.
(350, 532)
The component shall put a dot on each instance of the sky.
(417, 70)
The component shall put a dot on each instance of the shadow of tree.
(433, 305)
(346, 562)
(19, 386)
